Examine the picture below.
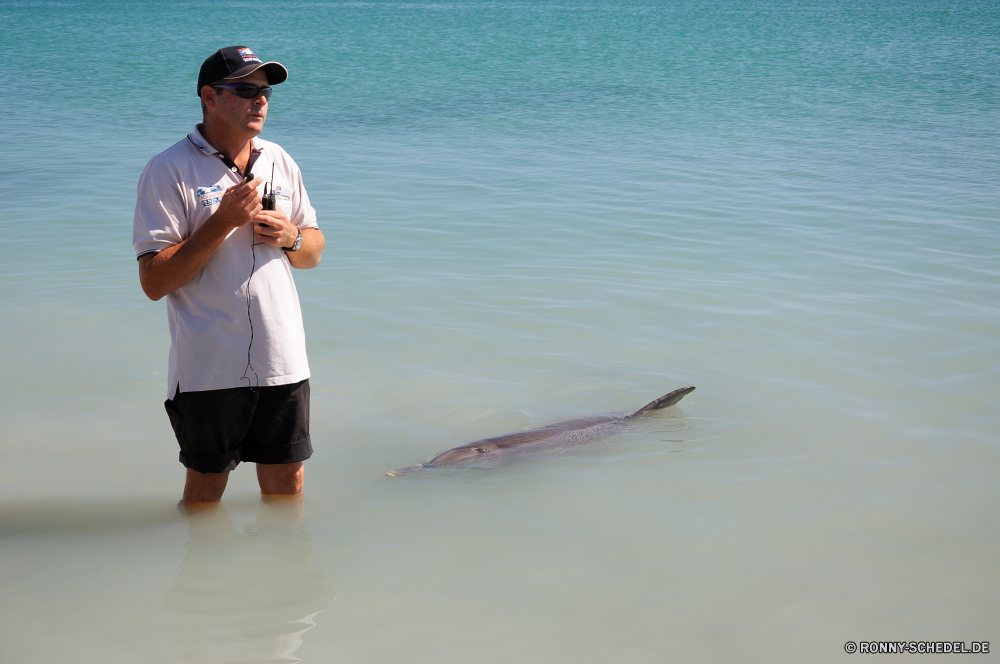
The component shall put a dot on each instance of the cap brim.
(276, 72)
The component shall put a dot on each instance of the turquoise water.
(533, 211)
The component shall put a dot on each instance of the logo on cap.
(248, 55)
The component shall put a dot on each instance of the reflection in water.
(84, 516)
(248, 596)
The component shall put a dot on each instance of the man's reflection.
(249, 596)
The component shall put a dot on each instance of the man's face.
(239, 114)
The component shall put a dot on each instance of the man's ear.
(208, 95)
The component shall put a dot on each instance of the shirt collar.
(199, 142)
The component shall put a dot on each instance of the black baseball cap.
(236, 62)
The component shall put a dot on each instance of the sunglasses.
(246, 90)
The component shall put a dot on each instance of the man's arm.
(163, 273)
(311, 251)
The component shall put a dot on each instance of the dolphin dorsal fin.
(663, 402)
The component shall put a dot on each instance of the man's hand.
(240, 204)
(273, 227)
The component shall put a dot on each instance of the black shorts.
(217, 429)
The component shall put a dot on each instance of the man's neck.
(237, 148)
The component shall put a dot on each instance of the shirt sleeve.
(303, 214)
(160, 221)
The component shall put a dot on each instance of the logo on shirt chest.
(209, 196)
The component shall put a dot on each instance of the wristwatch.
(295, 245)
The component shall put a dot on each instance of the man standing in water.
(238, 379)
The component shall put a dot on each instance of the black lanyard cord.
(230, 164)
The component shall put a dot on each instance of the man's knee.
(204, 487)
(281, 479)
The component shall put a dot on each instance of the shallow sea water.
(534, 212)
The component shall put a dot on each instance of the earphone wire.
(253, 267)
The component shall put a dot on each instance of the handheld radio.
(269, 200)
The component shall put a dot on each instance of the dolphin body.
(493, 451)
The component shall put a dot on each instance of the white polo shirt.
(178, 191)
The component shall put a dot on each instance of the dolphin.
(492, 451)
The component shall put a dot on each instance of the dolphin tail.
(409, 469)
(664, 401)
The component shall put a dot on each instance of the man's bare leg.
(204, 487)
(281, 479)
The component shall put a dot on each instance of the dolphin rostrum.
(491, 451)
